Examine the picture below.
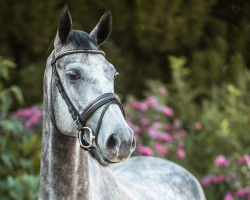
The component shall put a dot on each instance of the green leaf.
(4, 73)
(3, 185)
(7, 160)
(17, 93)
(8, 63)
(11, 125)
(5, 100)
(25, 163)
(4, 68)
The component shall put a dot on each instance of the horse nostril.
(112, 141)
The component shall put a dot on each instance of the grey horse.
(69, 172)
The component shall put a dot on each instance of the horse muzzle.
(118, 146)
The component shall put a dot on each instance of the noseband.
(81, 119)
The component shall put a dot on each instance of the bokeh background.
(184, 80)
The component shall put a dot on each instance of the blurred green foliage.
(213, 35)
(20, 151)
(6, 93)
(224, 113)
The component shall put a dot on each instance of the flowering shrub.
(29, 117)
(157, 131)
(20, 150)
(233, 176)
(202, 130)
(20, 154)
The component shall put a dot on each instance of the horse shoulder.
(155, 178)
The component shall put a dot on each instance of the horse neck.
(64, 166)
(68, 172)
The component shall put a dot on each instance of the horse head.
(83, 74)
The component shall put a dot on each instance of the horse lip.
(105, 159)
(109, 161)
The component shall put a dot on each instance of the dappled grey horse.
(84, 130)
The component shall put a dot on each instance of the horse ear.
(103, 29)
(65, 26)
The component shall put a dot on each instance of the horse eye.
(73, 75)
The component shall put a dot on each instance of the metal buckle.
(91, 138)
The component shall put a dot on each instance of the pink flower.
(161, 149)
(205, 181)
(140, 106)
(228, 196)
(144, 122)
(167, 137)
(168, 126)
(136, 137)
(180, 144)
(221, 161)
(246, 159)
(176, 125)
(32, 121)
(167, 111)
(153, 130)
(151, 101)
(222, 177)
(198, 126)
(144, 150)
(135, 128)
(29, 116)
(181, 153)
(162, 90)
(128, 120)
(240, 160)
(214, 179)
(183, 133)
(27, 112)
(241, 192)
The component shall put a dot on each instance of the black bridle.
(81, 119)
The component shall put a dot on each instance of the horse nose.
(120, 146)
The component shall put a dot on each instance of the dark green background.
(214, 35)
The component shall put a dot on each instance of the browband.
(91, 51)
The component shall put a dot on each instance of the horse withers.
(84, 130)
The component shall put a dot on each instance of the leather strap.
(97, 103)
(90, 51)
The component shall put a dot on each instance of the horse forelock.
(81, 40)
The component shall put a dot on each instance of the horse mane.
(81, 40)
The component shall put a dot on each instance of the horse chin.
(98, 155)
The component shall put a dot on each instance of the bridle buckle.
(83, 142)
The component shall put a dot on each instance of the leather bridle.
(81, 119)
